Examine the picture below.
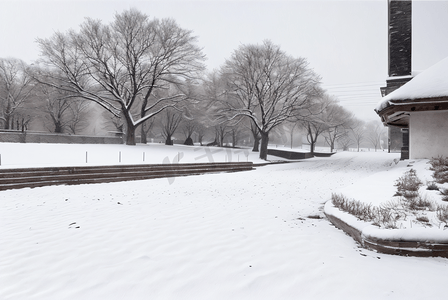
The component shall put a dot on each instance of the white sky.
(344, 41)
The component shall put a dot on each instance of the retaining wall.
(404, 247)
(289, 154)
(7, 136)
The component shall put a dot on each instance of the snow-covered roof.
(430, 83)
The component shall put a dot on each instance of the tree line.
(149, 74)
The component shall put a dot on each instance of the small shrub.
(444, 193)
(410, 195)
(442, 213)
(365, 212)
(420, 203)
(440, 167)
(423, 219)
(432, 186)
(386, 217)
(357, 208)
(394, 205)
(408, 184)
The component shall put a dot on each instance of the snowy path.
(223, 236)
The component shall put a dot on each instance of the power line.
(346, 85)
(356, 89)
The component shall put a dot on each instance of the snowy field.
(247, 235)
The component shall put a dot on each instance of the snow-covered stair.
(35, 177)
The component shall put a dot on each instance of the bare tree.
(78, 119)
(375, 133)
(236, 132)
(201, 130)
(61, 111)
(221, 131)
(345, 141)
(358, 131)
(122, 66)
(112, 122)
(169, 125)
(15, 90)
(188, 128)
(214, 91)
(267, 86)
(317, 120)
(339, 121)
(146, 128)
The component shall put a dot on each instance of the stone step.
(34, 177)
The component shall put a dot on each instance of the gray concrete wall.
(41, 137)
(428, 134)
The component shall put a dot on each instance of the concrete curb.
(396, 247)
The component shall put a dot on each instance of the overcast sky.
(345, 42)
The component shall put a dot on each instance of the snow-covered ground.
(44, 155)
(379, 190)
(244, 235)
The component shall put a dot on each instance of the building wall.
(428, 134)
(395, 139)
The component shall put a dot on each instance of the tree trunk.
(7, 118)
(312, 146)
(256, 147)
(264, 145)
(143, 138)
(57, 127)
(169, 141)
(189, 141)
(130, 134)
(234, 139)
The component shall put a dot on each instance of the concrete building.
(399, 65)
(421, 105)
(414, 108)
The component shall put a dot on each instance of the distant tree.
(317, 120)
(214, 91)
(221, 131)
(358, 132)
(78, 116)
(267, 86)
(345, 141)
(375, 132)
(290, 128)
(236, 132)
(60, 111)
(16, 86)
(122, 66)
(201, 130)
(146, 128)
(169, 125)
(188, 128)
(112, 122)
(339, 122)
